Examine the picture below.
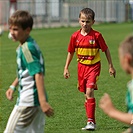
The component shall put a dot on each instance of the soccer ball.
(9, 36)
(1, 31)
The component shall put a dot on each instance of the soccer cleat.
(89, 126)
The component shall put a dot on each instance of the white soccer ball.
(1, 31)
(9, 36)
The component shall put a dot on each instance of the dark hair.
(21, 18)
(89, 13)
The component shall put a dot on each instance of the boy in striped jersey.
(28, 113)
(87, 43)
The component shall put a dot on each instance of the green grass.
(64, 97)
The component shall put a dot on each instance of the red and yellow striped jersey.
(87, 47)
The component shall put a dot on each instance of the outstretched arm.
(68, 61)
(111, 67)
(107, 106)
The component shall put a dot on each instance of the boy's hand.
(112, 72)
(9, 94)
(106, 104)
(66, 73)
(47, 109)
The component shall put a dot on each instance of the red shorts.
(88, 76)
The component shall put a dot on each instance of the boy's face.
(85, 22)
(18, 34)
(125, 61)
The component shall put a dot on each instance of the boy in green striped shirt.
(126, 62)
(28, 113)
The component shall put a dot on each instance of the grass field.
(66, 100)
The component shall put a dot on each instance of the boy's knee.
(89, 93)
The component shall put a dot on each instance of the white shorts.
(26, 120)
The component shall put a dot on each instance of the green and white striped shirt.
(30, 62)
(129, 97)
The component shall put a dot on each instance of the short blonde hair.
(127, 45)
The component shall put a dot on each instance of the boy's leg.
(90, 105)
(37, 125)
(25, 120)
(91, 85)
(31, 121)
(90, 109)
(13, 119)
(87, 77)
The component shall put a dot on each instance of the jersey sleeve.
(102, 43)
(71, 45)
(31, 58)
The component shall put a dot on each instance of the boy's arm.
(68, 61)
(111, 68)
(46, 108)
(106, 105)
(15, 83)
(10, 91)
